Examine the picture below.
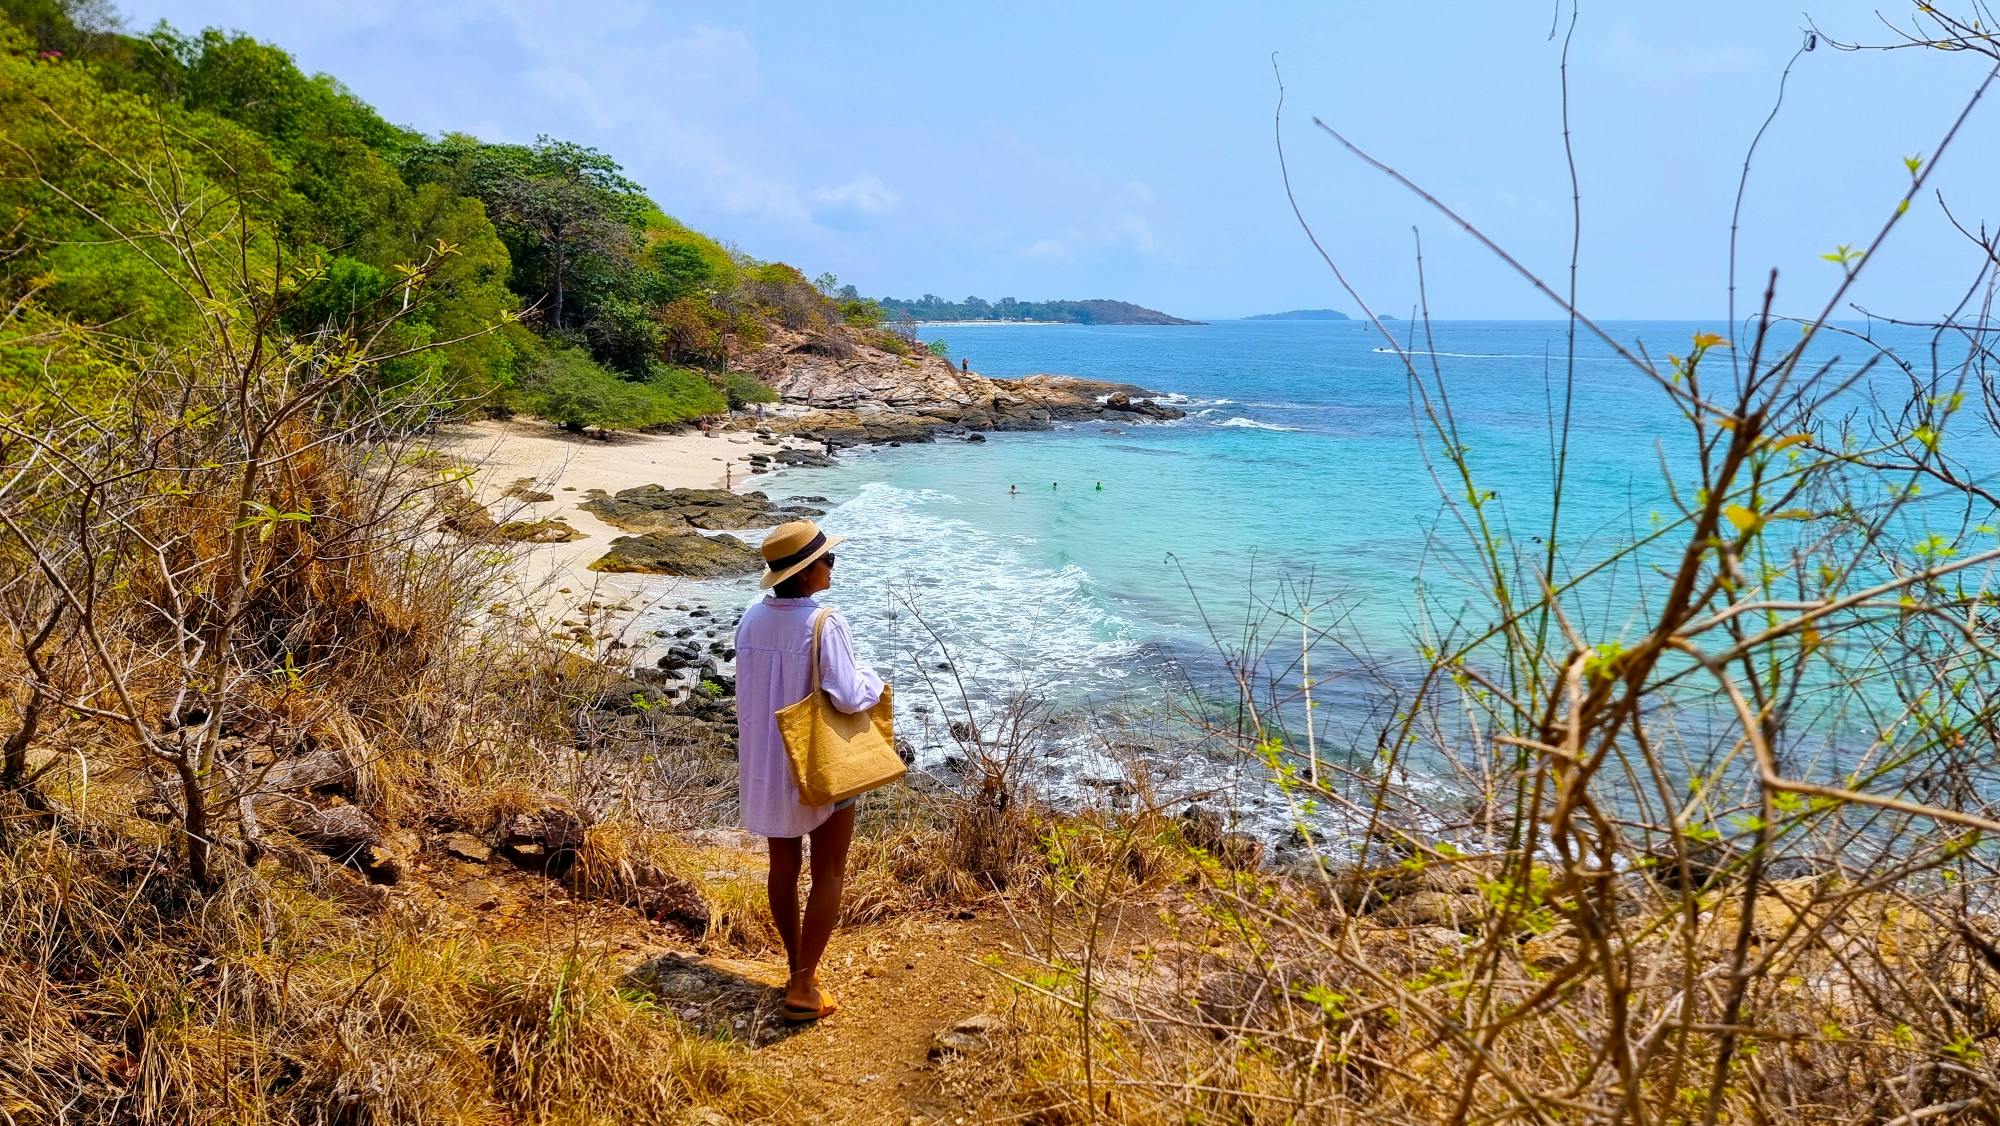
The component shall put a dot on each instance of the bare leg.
(829, 879)
(782, 886)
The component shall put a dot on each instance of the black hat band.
(775, 565)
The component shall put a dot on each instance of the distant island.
(1301, 315)
(1097, 311)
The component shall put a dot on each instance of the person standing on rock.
(774, 670)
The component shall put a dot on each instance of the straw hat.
(790, 548)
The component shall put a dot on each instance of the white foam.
(921, 588)
(1461, 355)
(1253, 424)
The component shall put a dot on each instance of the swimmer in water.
(1100, 486)
(1013, 490)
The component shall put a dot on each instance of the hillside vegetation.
(558, 287)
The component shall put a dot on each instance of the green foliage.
(549, 236)
(939, 348)
(567, 387)
(862, 313)
(744, 389)
(931, 307)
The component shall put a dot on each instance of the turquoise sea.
(1304, 458)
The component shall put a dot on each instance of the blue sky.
(1040, 150)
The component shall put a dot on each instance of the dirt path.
(899, 983)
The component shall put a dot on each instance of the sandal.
(800, 1015)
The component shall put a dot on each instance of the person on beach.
(728, 471)
(774, 670)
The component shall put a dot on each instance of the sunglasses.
(829, 558)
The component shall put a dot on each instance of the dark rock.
(628, 697)
(538, 531)
(1795, 867)
(340, 831)
(1120, 401)
(524, 489)
(967, 1035)
(460, 515)
(652, 508)
(1207, 830)
(478, 895)
(318, 772)
(545, 839)
(975, 437)
(686, 554)
(467, 847)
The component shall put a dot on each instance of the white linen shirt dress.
(773, 670)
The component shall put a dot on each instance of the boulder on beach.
(538, 531)
(688, 555)
(655, 508)
(526, 489)
(461, 515)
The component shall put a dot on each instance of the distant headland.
(1301, 315)
(1096, 311)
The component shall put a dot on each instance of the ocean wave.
(924, 589)
(1253, 424)
(1172, 399)
(1462, 355)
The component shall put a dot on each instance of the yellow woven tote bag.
(836, 755)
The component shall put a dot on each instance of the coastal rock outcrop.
(861, 394)
(689, 555)
(654, 508)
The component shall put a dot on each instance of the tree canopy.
(560, 281)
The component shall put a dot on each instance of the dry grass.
(137, 999)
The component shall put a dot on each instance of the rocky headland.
(844, 391)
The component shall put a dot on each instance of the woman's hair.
(795, 586)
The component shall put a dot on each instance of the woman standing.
(773, 670)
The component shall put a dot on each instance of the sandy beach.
(553, 581)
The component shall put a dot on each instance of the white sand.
(553, 581)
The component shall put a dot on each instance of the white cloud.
(865, 193)
(611, 70)
(854, 204)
